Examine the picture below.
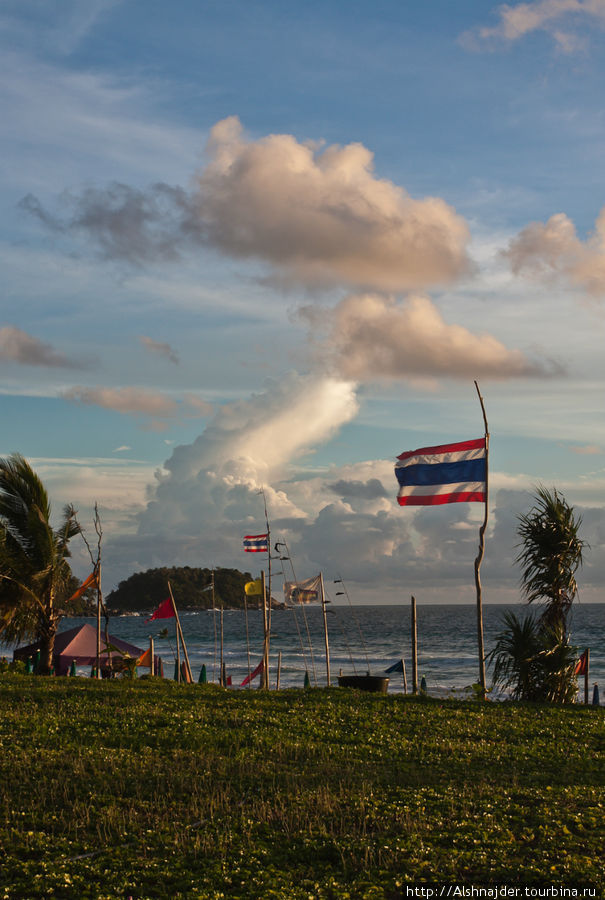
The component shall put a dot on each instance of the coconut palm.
(551, 553)
(34, 572)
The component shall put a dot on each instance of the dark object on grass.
(378, 684)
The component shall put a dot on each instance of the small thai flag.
(450, 473)
(256, 543)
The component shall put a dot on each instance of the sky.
(253, 245)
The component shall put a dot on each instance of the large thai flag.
(450, 473)
(256, 543)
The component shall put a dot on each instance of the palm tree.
(551, 553)
(34, 572)
(533, 661)
(514, 657)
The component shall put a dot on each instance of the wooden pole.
(99, 620)
(247, 642)
(222, 647)
(278, 670)
(323, 606)
(480, 554)
(414, 649)
(405, 680)
(152, 660)
(264, 680)
(586, 676)
(180, 633)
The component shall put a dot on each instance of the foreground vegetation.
(151, 789)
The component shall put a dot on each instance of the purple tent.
(79, 645)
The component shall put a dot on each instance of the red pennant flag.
(164, 611)
(89, 582)
(582, 664)
(253, 675)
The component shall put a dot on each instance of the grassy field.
(151, 789)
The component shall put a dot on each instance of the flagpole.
(99, 620)
(265, 672)
(323, 606)
(480, 555)
(268, 634)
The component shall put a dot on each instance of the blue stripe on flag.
(442, 473)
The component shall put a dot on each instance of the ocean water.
(361, 638)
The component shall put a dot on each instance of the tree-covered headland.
(192, 589)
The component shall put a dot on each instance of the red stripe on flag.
(438, 499)
(445, 448)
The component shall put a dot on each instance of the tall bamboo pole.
(414, 649)
(180, 634)
(247, 642)
(265, 673)
(99, 620)
(278, 671)
(323, 606)
(480, 554)
(269, 608)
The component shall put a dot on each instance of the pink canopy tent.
(79, 645)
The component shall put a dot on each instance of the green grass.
(150, 789)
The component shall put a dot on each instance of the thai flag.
(450, 473)
(256, 543)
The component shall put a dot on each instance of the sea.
(361, 639)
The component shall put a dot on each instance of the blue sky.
(261, 244)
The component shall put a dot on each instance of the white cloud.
(378, 337)
(322, 216)
(19, 347)
(554, 250)
(515, 22)
(139, 402)
(318, 215)
(160, 348)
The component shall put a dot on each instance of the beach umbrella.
(203, 676)
(307, 683)
(176, 670)
(72, 670)
(93, 672)
(28, 665)
(37, 663)
(161, 668)
(595, 695)
(423, 685)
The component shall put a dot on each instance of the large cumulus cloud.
(321, 215)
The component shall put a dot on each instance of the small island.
(192, 589)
